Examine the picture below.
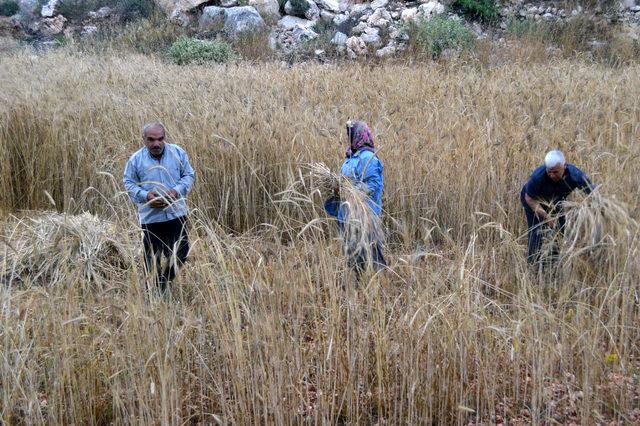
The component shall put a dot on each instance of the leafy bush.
(9, 8)
(299, 7)
(438, 34)
(77, 9)
(480, 10)
(188, 50)
(131, 10)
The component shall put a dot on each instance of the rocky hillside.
(354, 29)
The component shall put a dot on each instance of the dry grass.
(265, 324)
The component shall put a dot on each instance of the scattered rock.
(102, 13)
(341, 19)
(327, 16)
(360, 28)
(88, 30)
(302, 34)
(50, 8)
(53, 26)
(381, 18)
(430, 9)
(356, 47)
(378, 4)
(169, 6)
(372, 36)
(180, 18)
(330, 5)
(359, 9)
(290, 22)
(386, 51)
(339, 39)
(409, 15)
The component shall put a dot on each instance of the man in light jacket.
(157, 178)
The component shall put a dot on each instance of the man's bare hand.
(173, 194)
(155, 201)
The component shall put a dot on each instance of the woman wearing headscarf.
(364, 169)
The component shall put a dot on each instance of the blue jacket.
(365, 170)
(143, 173)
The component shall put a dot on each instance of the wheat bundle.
(599, 231)
(47, 246)
(361, 227)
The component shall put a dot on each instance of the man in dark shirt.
(543, 194)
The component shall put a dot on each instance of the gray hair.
(553, 159)
(152, 125)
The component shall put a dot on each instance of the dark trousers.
(166, 238)
(534, 230)
(367, 256)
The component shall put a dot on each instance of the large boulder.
(380, 18)
(50, 8)
(302, 34)
(52, 26)
(290, 22)
(330, 5)
(268, 9)
(171, 6)
(242, 20)
(431, 9)
(339, 39)
(372, 36)
(212, 19)
(302, 8)
(234, 21)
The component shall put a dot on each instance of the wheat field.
(266, 324)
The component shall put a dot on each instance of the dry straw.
(361, 227)
(44, 245)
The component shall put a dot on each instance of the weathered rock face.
(302, 8)
(169, 6)
(212, 19)
(53, 26)
(242, 20)
(268, 9)
(290, 22)
(234, 21)
(50, 8)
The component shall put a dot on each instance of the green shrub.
(131, 10)
(434, 36)
(480, 10)
(77, 9)
(188, 50)
(299, 7)
(9, 8)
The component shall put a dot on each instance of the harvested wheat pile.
(47, 247)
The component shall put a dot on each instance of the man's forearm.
(536, 207)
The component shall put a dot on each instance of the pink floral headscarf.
(359, 137)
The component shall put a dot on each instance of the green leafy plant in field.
(436, 35)
(187, 50)
(486, 11)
